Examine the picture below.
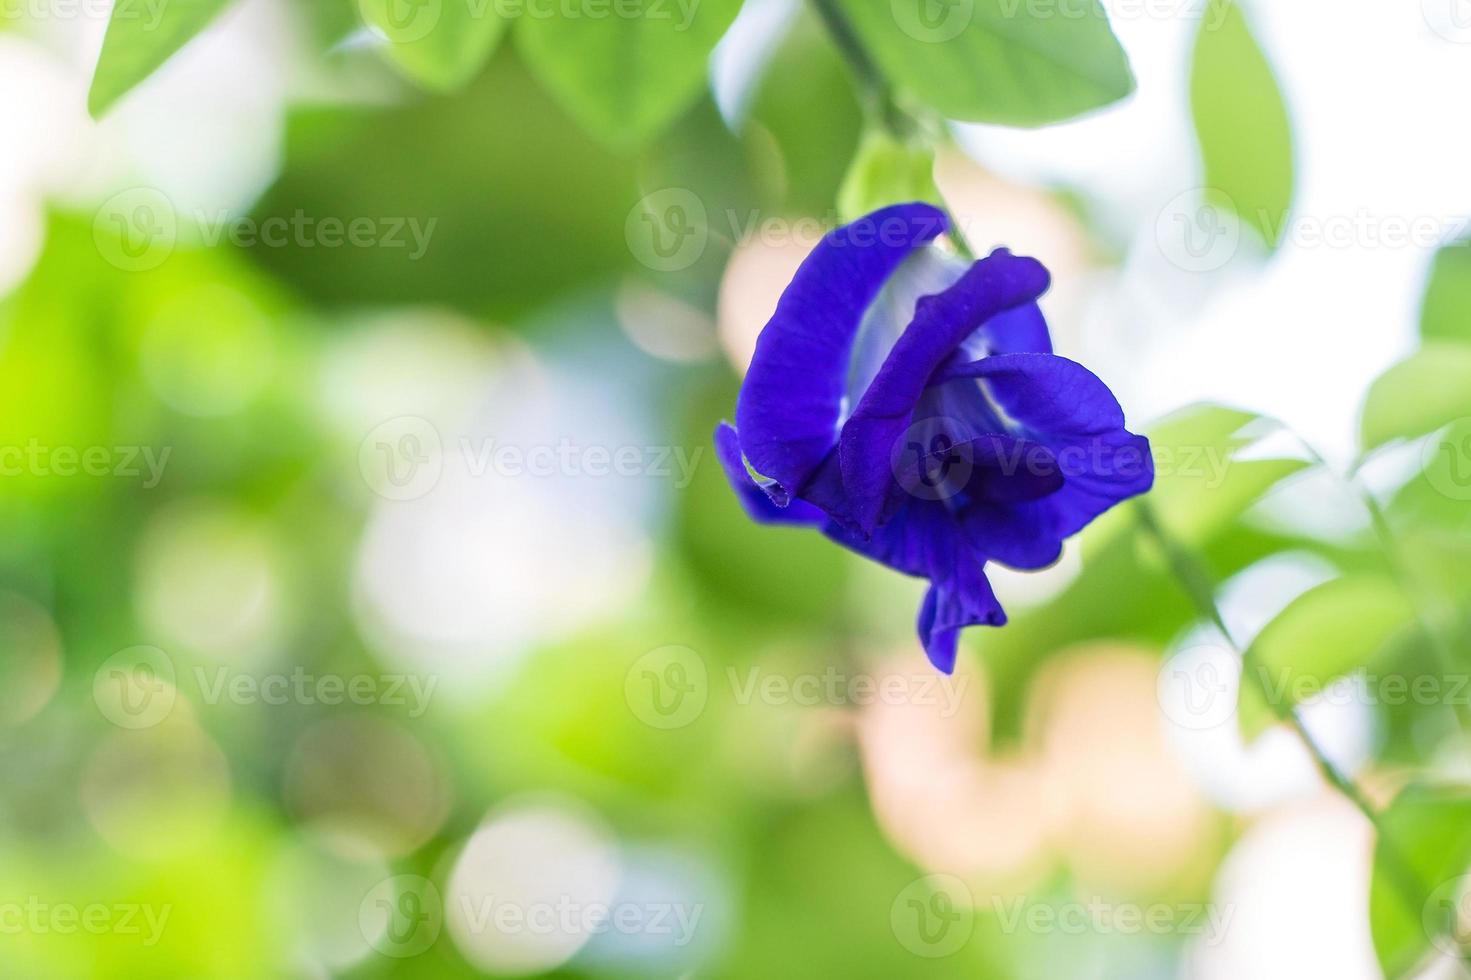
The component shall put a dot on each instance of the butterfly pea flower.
(908, 405)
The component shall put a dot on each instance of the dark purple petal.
(792, 398)
(923, 540)
(1018, 331)
(1098, 472)
(953, 603)
(920, 538)
(991, 286)
(1045, 393)
(757, 504)
(1016, 535)
(1009, 470)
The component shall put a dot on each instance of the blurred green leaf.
(1418, 395)
(1241, 122)
(1446, 312)
(1324, 634)
(1438, 499)
(490, 254)
(626, 76)
(816, 134)
(800, 924)
(440, 45)
(884, 172)
(1201, 484)
(995, 60)
(1423, 849)
(1201, 491)
(139, 40)
(766, 574)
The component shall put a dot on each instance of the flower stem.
(1400, 567)
(1197, 583)
(1403, 569)
(877, 96)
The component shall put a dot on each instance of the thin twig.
(1198, 585)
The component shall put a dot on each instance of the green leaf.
(1418, 885)
(996, 61)
(1430, 389)
(1324, 634)
(1241, 123)
(1201, 485)
(627, 75)
(139, 39)
(1446, 312)
(440, 45)
(884, 172)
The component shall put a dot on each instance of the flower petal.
(991, 286)
(1022, 330)
(953, 603)
(1045, 393)
(759, 507)
(923, 540)
(792, 398)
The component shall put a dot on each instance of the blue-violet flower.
(908, 405)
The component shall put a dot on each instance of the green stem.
(1197, 583)
(1402, 569)
(878, 99)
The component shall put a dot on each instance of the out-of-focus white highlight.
(211, 582)
(1302, 337)
(1295, 888)
(525, 891)
(1207, 738)
(478, 566)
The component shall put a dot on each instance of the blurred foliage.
(525, 148)
(1241, 122)
(1324, 634)
(1418, 395)
(983, 62)
(1448, 295)
(1421, 865)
